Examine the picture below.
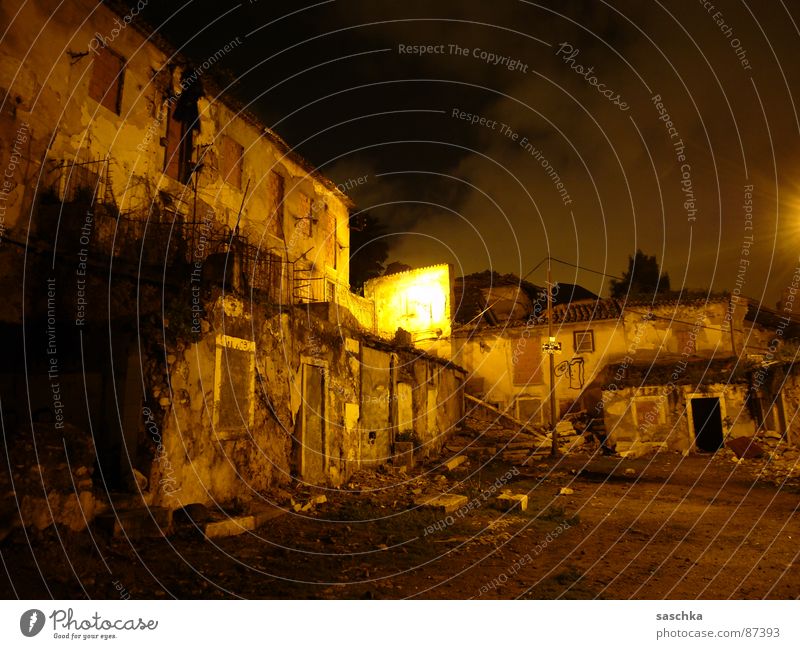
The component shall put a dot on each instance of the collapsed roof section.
(491, 298)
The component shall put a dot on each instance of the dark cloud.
(448, 189)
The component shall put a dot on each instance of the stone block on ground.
(313, 502)
(455, 462)
(640, 449)
(232, 526)
(309, 504)
(442, 503)
(264, 512)
(507, 501)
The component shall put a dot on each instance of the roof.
(673, 369)
(471, 303)
(772, 319)
(375, 342)
(613, 308)
(584, 311)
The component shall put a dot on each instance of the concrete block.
(136, 523)
(265, 513)
(310, 503)
(230, 527)
(443, 503)
(455, 462)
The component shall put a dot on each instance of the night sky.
(577, 86)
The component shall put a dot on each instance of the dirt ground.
(660, 527)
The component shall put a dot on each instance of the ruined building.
(178, 317)
(680, 373)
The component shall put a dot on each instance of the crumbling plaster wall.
(642, 334)
(491, 356)
(790, 395)
(47, 78)
(203, 463)
(627, 424)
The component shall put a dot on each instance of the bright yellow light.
(416, 300)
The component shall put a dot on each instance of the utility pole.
(550, 346)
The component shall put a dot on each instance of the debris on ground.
(443, 503)
(745, 447)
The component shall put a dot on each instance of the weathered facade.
(185, 301)
(272, 395)
(686, 349)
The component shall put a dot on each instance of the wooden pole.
(551, 352)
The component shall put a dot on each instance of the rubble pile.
(767, 456)
(50, 480)
(391, 486)
(781, 460)
(482, 440)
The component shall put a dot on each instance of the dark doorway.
(707, 422)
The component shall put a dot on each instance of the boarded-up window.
(234, 384)
(231, 155)
(177, 149)
(583, 340)
(105, 83)
(527, 361)
(529, 410)
(687, 341)
(303, 214)
(329, 246)
(233, 402)
(648, 412)
(277, 188)
(275, 277)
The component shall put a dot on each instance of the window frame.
(582, 333)
(118, 80)
(183, 151)
(225, 140)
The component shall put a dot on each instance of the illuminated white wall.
(418, 301)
